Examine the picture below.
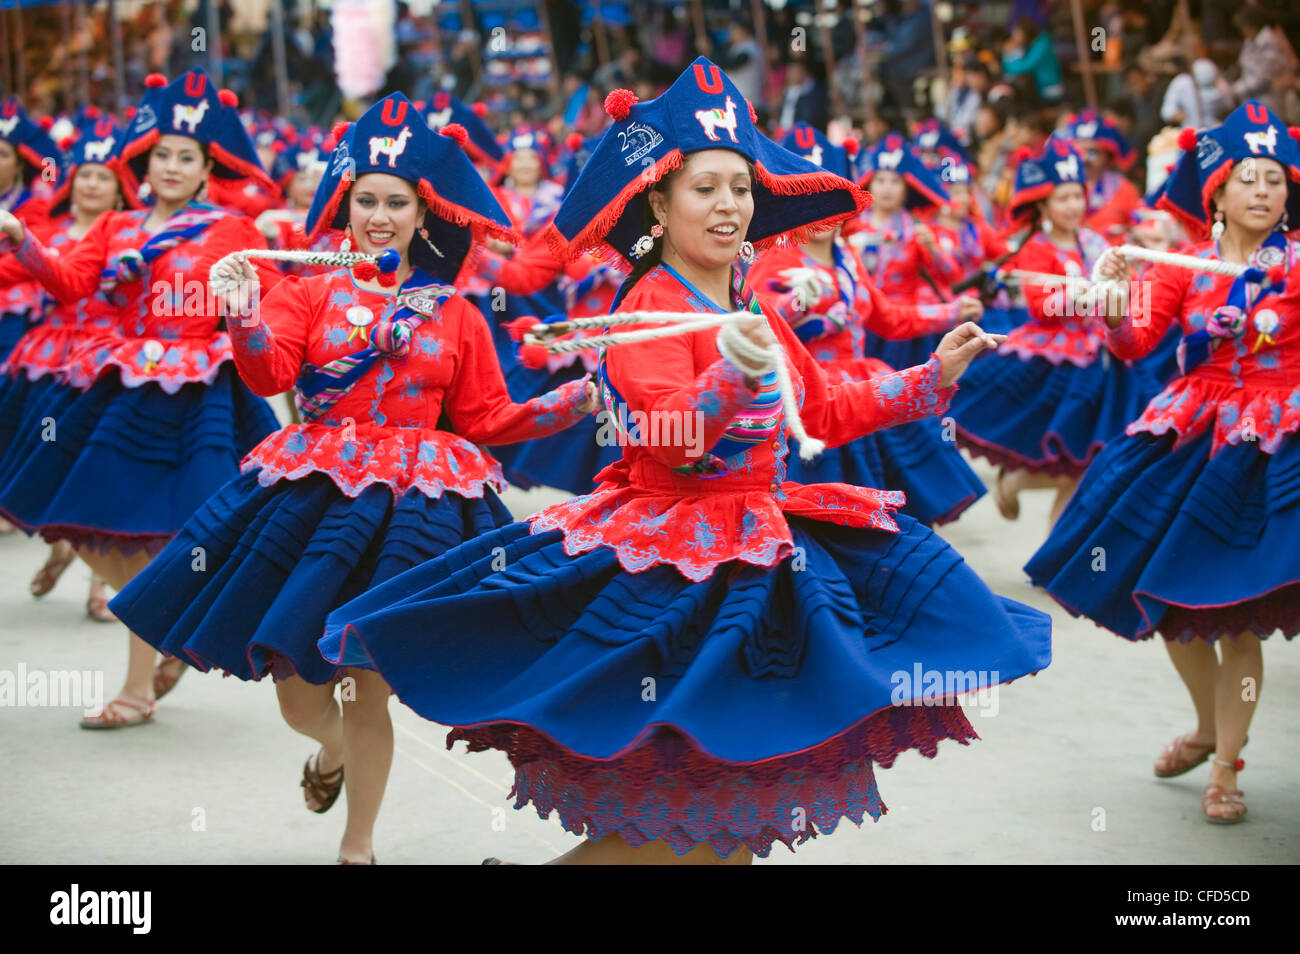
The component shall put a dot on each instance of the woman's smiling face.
(384, 212)
(707, 208)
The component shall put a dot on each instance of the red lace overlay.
(668, 788)
(1249, 388)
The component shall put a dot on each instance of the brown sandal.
(321, 788)
(165, 676)
(50, 571)
(1181, 756)
(1218, 795)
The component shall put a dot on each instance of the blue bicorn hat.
(98, 142)
(1038, 176)
(895, 154)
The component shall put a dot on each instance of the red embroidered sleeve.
(839, 413)
(73, 276)
(530, 269)
(270, 345)
(477, 400)
(1155, 303)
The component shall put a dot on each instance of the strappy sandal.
(166, 675)
(344, 861)
(1009, 507)
(118, 715)
(97, 605)
(1217, 795)
(50, 571)
(321, 788)
(1180, 756)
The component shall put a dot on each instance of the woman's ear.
(658, 205)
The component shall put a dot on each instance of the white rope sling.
(754, 360)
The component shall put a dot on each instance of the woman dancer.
(902, 254)
(1195, 510)
(694, 661)
(371, 483)
(89, 189)
(821, 289)
(163, 408)
(1112, 199)
(1044, 405)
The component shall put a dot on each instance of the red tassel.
(46, 123)
(753, 116)
(480, 109)
(1187, 139)
(520, 327)
(1275, 275)
(457, 132)
(388, 279)
(533, 357)
(573, 141)
(366, 271)
(619, 103)
(851, 146)
(155, 80)
(228, 97)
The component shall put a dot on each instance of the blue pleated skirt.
(13, 325)
(1179, 542)
(27, 410)
(913, 458)
(1048, 418)
(247, 583)
(656, 707)
(128, 466)
(1001, 320)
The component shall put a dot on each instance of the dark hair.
(642, 266)
(20, 176)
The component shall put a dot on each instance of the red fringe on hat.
(457, 132)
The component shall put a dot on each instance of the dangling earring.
(1282, 225)
(747, 252)
(424, 234)
(1047, 224)
(1216, 230)
(346, 244)
(656, 231)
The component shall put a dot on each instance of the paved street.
(1068, 752)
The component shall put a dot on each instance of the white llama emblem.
(7, 125)
(439, 119)
(191, 116)
(99, 151)
(388, 146)
(1067, 170)
(889, 160)
(714, 119)
(1259, 141)
(1086, 131)
(815, 157)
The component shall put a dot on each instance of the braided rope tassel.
(676, 323)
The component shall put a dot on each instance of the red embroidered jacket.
(1055, 330)
(161, 328)
(1111, 204)
(895, 259)
(1249, 388)
(48, 345)
(22, 297)
(385, 428)
(650, 509)
(833, 329)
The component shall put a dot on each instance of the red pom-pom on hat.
(457, 132)
(129, 113)
(520, 327)
(46, 123)
(155, 80)
(851, 145)
(1187, 139)
(619, 103)
(1021, 154)
(340, 130)
(533, 357)
(480, 109)
(573, 141)
(1295, 132)
(66, 142)
(93, 112)
(228, 97)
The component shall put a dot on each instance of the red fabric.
(1051, 333)
(242, 196)
(1248, 388)
(161, 328)
(871, 311)
(650, 513)
(384, 430)
(899, 264)
(1115, 217)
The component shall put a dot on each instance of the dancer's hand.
(593, 399)
(969, 309)
(12, 227)
(960, 346)
(239, 289)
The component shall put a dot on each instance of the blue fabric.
(902, 353)
(895, 154)
(913, 458)
(1175, 527)
(811, 143)
(135, 461)
(12, 328)
(276, 560)
(999, 321)
(25, 407)
(1039, 412)
(752, 663)
(444, 108)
